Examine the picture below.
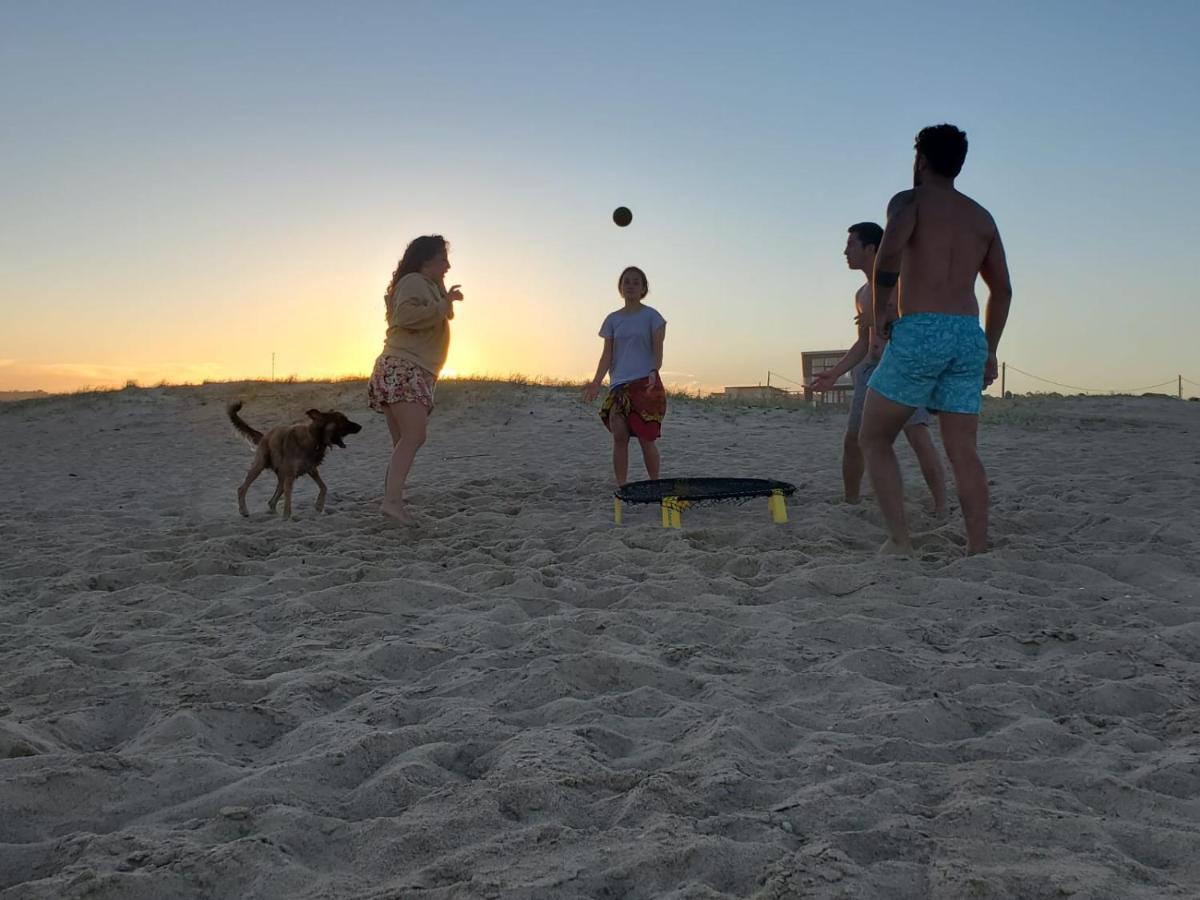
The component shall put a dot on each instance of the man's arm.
(827, 379)
(901, 222)
(994, 273)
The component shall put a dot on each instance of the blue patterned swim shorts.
(935, 360)
(862, 376)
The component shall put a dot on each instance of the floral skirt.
(642, 406)
(399, 381)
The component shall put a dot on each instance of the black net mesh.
(702, 490)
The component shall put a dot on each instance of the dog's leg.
(255, 471)
(321, 492)
(278, 493)
(288, 481)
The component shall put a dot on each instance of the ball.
(622, 216)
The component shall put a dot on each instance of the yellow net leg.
(671, 515)
(778, 508)
(676, 517)
(666, 512)
(617, 510)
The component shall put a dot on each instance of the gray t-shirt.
(633, 348)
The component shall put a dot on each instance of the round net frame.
(702, 491)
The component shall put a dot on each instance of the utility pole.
(272, 365)
(1003, 379)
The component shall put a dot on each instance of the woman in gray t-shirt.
(632, 357)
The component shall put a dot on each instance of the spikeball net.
(675, 495)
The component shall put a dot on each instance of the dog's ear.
(315, 414)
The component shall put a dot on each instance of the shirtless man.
(936, 242)
(861, 360)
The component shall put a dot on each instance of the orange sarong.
(642, 406)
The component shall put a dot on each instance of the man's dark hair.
(945, 147)
(868, 233)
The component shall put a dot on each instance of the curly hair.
(420, 251)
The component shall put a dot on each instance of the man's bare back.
(950, 240)
(937, 241)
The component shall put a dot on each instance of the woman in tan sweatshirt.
(419, 310)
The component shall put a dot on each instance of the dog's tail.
(245, 430)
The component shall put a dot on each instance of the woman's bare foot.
(891, 548)
(397, 513)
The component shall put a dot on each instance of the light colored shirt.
(418, 319)
(633, 344)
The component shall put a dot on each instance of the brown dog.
(291, 451)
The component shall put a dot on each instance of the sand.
(522, 700)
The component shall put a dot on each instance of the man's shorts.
(935, 360)
(862, 374)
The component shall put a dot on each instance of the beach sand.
(521, 699)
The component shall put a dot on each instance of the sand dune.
(522, 700)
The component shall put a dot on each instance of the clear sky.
(188, 188)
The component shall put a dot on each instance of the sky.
(191, 191)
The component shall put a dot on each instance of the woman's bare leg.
(620, 435)
(408, 420)
(650, 457)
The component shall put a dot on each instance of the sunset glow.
(184, 198)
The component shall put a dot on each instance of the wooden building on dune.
(814, 362)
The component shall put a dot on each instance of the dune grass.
(349, 390)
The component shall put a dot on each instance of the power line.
(1074, 387)
(1070, 387)
(785, 378)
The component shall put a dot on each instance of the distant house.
(814, 362)
(756, 392)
